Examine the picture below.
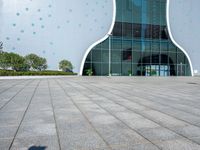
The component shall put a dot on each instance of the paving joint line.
(149, 118)
(85, 116)
(54, 116)
(7, 102)
(11, 86)
(24, 114)
(121, 121)
(130, 100)
(168, 100)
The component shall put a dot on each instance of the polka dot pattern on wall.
(47, 27)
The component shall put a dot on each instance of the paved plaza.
(100, 113)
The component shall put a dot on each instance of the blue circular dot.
(32, 24)
(42, 26)
(22, 31)
(34, 33)
(7, 38)
(27, 9)
(14, 25)
(18, 39)
(18, 14)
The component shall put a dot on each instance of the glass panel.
(172, 48)
(126, 56)
(164, 33)
(126, 69)
(173, 70)
(163, 12)
(164, 58)
(127, 11)
(155, 70)
(119, 10)
(172, 58)
(155, 31)
(89, 57)
(155, 60)
(164, 46)
(136, 70)
(116, 69)
(180, 58)
(96, 69)
(146, 46)
(155, 46)
(136, 46)
(136, 57)
(116, 56)
(146, 58)
(137, 28)
(164, 70)
(104, 69)
(116, 44)
(181, 69)
(148, 31)
(96, 56)
(127, 30)
(127, 45)
(105, 56)
(117, 31)
(105, 45)
(137, 10)
(156, 12)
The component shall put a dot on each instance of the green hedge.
(34, 73)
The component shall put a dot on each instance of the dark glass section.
(140, 44)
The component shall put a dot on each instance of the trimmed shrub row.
(34, 73)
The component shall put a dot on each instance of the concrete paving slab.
(100, 113)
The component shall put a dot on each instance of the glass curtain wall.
(140, 45)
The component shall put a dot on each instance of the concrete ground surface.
(100, 113)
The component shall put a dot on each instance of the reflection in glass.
(140, 44)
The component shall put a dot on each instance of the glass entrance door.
(157, 70)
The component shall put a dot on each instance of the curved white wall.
(55, 29)
(184, 21)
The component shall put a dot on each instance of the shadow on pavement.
(37, 148)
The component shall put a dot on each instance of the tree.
(35, 62)
(17, 62)
(66, 65)
(5, 61)
(1, 46)
(41, 64)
